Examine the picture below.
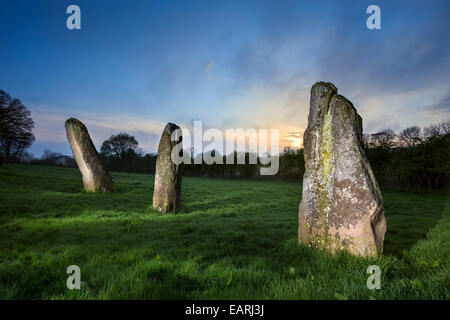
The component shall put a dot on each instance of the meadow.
(232, 239)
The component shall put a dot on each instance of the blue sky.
(136, 65)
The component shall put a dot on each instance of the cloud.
(294, 134)
(390, 75)
(399, 110)
(263, 72)
(398, 58)
(443, 105)
(49, 126)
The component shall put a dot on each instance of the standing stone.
(341, 207)
(95, 177)
(167, 190)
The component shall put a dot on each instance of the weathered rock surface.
(95, 176)
(167, 191)
(342, 206)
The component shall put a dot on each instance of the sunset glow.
(297, 143)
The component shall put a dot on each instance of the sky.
(136, 65)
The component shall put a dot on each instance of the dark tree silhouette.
(410, 137)
(384, 139)
(436, 130)
(119, 146)
(16, 127)
(380, 147)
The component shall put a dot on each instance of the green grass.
(231, 240)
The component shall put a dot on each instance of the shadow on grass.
(410, 215)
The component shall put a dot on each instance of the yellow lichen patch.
(327, 143)
(325, 182)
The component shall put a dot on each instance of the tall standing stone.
(95, 176)
(341, 207)
(167, 189)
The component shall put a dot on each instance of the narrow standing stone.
(167, 189)
(95, 176)
(342, 206)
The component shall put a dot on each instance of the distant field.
(232, 240)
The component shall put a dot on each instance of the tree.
(380, 153)
(436, 152)
(437, 130)
(47, 155)
(119, 146)
(410, 137)
(16, 126)
(25, 157)
(292, 165)
(384, 139)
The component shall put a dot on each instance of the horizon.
(133, 67)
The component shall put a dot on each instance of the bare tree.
(410, 137)
(436, 130)
(383, 139)
(16, 126)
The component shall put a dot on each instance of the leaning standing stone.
(341, 207)
(95, 176)
(167, 191)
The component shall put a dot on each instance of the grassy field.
(231, 240)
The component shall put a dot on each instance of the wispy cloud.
(49, 126)
(441, 106)
(263, 60)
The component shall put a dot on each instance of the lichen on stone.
(338, 188)
(95, 176)
(167, 187)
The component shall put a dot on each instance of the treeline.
(291, 167)
(412, 158)
(121, 153)
(50, 158)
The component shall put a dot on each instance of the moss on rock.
(167, 189)
(342, 207)
(95, 176)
